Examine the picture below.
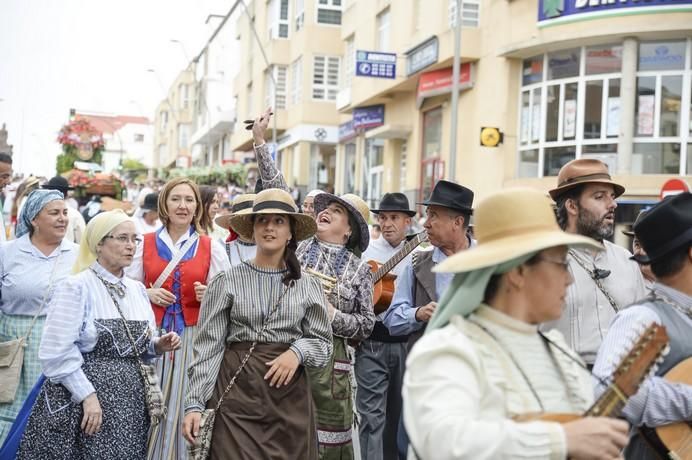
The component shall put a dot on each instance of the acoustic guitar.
(640, 362)
(383, 281)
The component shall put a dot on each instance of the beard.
(593, 226)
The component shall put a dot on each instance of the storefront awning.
(389, 131)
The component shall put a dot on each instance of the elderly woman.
(93, 403)
(269, 411)
(176, 263)
(483, 363)
(31, 266)
(334, 255)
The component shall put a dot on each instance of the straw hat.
(242, 204)
(583, 171)
(510, 224)
(272, 201)
(355, 206)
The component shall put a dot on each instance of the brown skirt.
(259, 422)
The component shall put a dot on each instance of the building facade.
(560, 79)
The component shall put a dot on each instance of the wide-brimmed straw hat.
(273, 201)
(355, 206)
(584, 171)
(509, 224)
(242, 204)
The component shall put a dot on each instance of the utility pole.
(455, 92)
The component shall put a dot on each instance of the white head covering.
(97, 229)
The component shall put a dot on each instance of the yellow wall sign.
(491, 137)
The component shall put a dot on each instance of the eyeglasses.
(124, 239)
(562, 263)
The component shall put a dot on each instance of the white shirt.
(143, 227)
(219, 259)
(239, 252)
(462, 388)
(75, 225)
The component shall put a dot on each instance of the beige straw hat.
(509, 224)
(242, 204)
(355, 206)
(273, 201)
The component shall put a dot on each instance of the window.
(329, 12)
(183, 135)
(296, 80)
(432, 168)
(164, 120)
(383, 30)
(278, 19)
(470, 13)
(325, 78)
(374, 170)
(349, 62)
(279, 74)
(350, 168)
(299, 14)
(139, 138)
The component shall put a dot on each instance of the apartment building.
(299, 79)
(558, 79)
(174, 121)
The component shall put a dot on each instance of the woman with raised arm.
(333, 255)
(267, 310)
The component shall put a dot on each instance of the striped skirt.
(12, 327)
(166, 441)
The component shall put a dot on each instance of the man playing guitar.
(380, 359)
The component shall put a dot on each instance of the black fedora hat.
(151, 202)
(665, 227)
(641, 214)
(58, 183)
(394, 202)
(451, 195)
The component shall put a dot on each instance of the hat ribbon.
(273, 204)
(585, 178)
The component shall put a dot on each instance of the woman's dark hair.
(353, 242)
(208, 194)
(290, 259)
(494, 283)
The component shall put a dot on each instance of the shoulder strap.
(45, 297)
(175, 260)
(596, 280)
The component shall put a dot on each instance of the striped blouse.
(233, 310)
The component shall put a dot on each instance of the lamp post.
(455, 91)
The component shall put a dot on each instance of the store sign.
(368, 117)
(422, 56)
(346, 131)
(375, 64)
(438, 82)
(558, 11)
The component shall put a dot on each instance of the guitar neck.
(398, 257)
(610, 404)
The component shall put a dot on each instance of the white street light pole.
(455, 92)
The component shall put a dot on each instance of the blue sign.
(368, 117)
(557, 11)
(375, 64)
(422, 55)
(346, 131)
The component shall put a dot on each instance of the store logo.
(661, 51)
(553, 8)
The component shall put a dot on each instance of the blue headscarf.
(35, 202)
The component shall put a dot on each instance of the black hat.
(151, 202)
(58, 183)
(451, 195)
(394, 202)
(641, 214)
(665, 227)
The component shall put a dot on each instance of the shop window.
(603, 59)
(528, 163)
(375, 170)
(532, 70)
(655, 158)
(662, 55)
(350, 168)
(645, 106)
(671, 99)
(553, 113)
(432, 168)
(563, 64)
(555, 158)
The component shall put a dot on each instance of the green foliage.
(130, 164)
(216, 175)
(65, 161)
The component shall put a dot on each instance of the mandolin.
(383, 281)
(639, 363)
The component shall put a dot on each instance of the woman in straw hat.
(238, 248)
(482, 361)
(268, 412)
(176, 263)
(30, 268)
(92, 404)
(334, 253)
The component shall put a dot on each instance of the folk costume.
(202, 260)
(476, 367)
(85, 349)
(333, 387)
(255, 420)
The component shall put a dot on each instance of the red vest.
(195, 269)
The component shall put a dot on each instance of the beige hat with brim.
(242, 204)
(273, 201)
(509, 224)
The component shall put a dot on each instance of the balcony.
(213, 127)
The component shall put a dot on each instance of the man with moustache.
(605, 281)
(380, 360)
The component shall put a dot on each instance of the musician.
(238, 248)
(482, 360)
(604, 281)
(333, 254)
(448, 212)
(380, 360)
(666, 234)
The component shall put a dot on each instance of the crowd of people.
(267, 330)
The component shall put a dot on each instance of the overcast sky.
(91, 55)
